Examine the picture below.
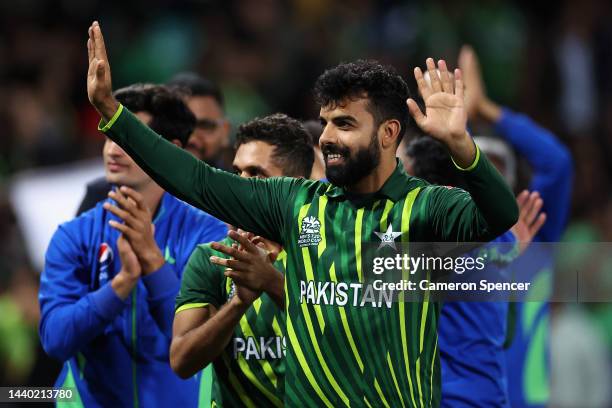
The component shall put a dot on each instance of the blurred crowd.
(550, 63)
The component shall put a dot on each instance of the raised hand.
(529, 222)
(477, 103)
(99, 86)
(445, 117)
(136, 227)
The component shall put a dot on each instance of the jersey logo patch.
(105, 259)
(387, 238)
(310, 232)
(167, 257)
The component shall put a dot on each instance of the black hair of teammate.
(293, 147)
(170, 116)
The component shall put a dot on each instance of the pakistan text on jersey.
(259, 348)
(342, 293)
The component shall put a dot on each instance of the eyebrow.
(345, 118)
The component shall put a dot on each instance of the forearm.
(463, 151)
(246, 203)
(494, 200)
(66, 328)
(551, 164)
(194, 350)
(544, 152)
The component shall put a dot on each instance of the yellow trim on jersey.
(238, 387)
(433, 359)
(358, 228)
(303, 364)
(246, 370)
(190, 306)
(397, 388)
(385, 215)
(265, 364)
(405, 228)
(111, 122)
(422, 338)
(471, 166)
(380, 393)
(308, 265)
(323, 243)
(345, 325)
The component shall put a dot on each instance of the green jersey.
(250, 372)
(341, 350)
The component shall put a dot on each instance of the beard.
(355, 167)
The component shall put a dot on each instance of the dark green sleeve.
(202, 281)
(488, 210)
(256, 205)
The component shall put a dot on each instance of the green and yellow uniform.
(251, 370)
(341, 351)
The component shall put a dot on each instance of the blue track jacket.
(116, 353)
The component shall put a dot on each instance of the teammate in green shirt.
(221, 321)
(342, 350)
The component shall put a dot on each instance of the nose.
(327, 136)
(114, 149)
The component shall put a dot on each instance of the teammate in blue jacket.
(472, 332)
(111, 276)
(527, 356)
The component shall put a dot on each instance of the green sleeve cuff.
(472, 166)
(190, 306)
(105, 127)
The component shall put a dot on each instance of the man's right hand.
(99, 86)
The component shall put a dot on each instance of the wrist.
(107, 107)
(489, 110)
(463, 151)
(123, 283)
(276, 286)
(152, 261)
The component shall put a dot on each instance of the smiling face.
(349, 142)
(119, 168)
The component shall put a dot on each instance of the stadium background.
(550, 63)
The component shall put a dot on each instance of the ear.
(177, 142)
(390, 132)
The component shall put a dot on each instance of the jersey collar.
(395, 188)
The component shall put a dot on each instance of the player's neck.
(376, 179)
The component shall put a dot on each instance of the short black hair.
(382, 85)
(314, 129)
(195, 85)
(171, 118)
(293, 148)
(432, 162)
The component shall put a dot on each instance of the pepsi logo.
(105, 254)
